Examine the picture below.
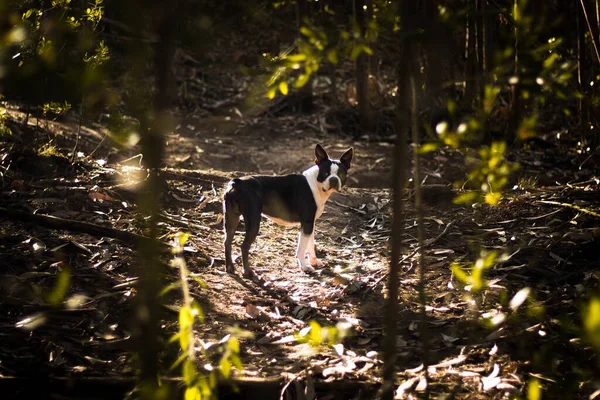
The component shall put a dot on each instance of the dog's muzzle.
(334, 183)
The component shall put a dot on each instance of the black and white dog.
(287, 200)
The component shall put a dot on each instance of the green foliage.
(477, 269)
(4, 130)
(314, 48)
(489, 172)
(56, 108)
(317, 335)
(100, 55)
(591, 321)
(60, 44)
(59, 292)
(49, 150)
(534, 389)
(199, 385)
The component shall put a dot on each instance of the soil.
(479, 345)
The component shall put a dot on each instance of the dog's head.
(332, 173)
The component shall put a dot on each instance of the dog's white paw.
(308, 269)
(305, 267)
(315, 262)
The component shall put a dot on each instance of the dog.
(288, 200)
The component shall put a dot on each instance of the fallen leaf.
(492, 380)
(519, 298)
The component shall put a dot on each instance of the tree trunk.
(405, 72)
(481, 47)
(438, 43)
(470, 58)
(361, 72)
(154, 124)
(373, 60)
(515, 106)
(305, 92)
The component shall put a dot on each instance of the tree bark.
(361, 71)
(470, 57)
(405, 71)
(305, 92)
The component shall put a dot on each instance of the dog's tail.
(231, 185)
(230, 199)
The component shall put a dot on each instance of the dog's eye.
(323, 174)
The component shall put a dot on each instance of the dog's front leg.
(312, 254)
(304, 239)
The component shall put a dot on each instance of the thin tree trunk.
(420, 231)
(373, 60)
(147, 330)
(581, 55)
(470, 58)
(438, 44)
(515, 107)
(361, 73)
(598, 21)
(405, 70)
(481, 43)
(306, 92)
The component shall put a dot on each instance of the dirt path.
(352, 238)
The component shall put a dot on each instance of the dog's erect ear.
(346, 158)
(320, 154)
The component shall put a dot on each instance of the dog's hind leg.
(231, 220)
(252, 222)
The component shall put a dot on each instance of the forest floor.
(478, 346)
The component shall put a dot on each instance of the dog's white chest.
(319, 195)
(320, 208)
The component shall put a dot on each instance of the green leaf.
(460, 274)
(186, 318)
(296, 58)
(192, 393)
(169, 287)
(490, 259)
(189, 372)
(316, 333)
(60, 288)
(199, 281)
(591, 321)
(225, 367)
(283, 88)
(306, 32)
(179, 360)
(332, 56)
(237, 362)
(302, 80)
(234, 345)
(197, 310)
(174, 338)
(428, 147)
(184, 341)
(534, 390)
(493, 198)
(466, 198)
(182, 238)
(205, 386)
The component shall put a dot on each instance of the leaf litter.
(549, 232)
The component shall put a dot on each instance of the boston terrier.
(288, 200)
